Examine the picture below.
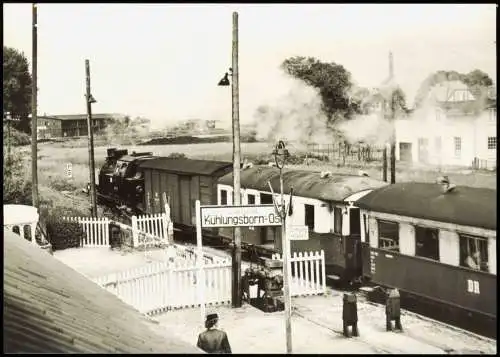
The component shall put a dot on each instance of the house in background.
(61, 126)
(456, 126)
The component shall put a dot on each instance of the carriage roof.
(185, 166)
(468, 206)
(335, 187)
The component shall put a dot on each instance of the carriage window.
(223, 197)
(309, 216)
(473, 252)
(266, 199)
(337, 226)
(427, 243)
(365, 225)
(388, 235)
(251, 199)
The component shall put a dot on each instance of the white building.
(456, 127)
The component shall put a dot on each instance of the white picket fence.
(308, 276)
(156, 225)
(162, 286)
(95, 228)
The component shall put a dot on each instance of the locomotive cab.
(120, 178)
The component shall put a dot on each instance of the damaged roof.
(185, 166)
(51, 308)
(468, 206)
(335, 187)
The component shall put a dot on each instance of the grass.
(53, 158)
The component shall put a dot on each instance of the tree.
(17, 84)
(475, 78)
(332, 81)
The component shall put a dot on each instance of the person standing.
(213, 340)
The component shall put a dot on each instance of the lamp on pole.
(234, 73)
(281, 154)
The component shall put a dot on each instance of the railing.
(308, 273)
(155, 225)
(163, 286)
(96, 230)
(347, 152)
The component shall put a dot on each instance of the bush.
(177, 155)
(64, 234)
(16, 188)
(17, 138)
(62, 184)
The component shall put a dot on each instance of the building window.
(251, 199)
(427, 243)
(388, 235)
(492, 143)
(309, 216)
(337, 217)
(473, 252)
(458, 145)
(223, 197)
(266, 199)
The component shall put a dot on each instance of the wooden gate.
(308, 273)
(162, 286)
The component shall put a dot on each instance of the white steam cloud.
(294, 115)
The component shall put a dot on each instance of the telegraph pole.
(236, 294)
(393, 117)
(34, 94)
(89, 100)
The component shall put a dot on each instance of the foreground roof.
(468, 206)
(309, 184)
(51, 308)
(185, 166)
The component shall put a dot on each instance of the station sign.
(297, 232)
(69, 170)
(239, 216)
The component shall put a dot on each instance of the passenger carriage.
(321, 201)
(418, 236)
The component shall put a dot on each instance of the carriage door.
(185, 198)
(353, 243)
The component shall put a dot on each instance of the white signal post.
(200, 280)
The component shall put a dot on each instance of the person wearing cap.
(213, 340)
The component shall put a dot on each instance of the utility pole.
(236, 294)
(34, 93)
(89, 100)
(393, 124)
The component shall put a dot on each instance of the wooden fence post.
(135, 233)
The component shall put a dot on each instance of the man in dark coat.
(213, 340)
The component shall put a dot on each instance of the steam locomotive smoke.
(294, 114)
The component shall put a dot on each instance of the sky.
(163, 61)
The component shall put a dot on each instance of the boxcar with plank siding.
(321, 202)
(422, 237)
(183, 181)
